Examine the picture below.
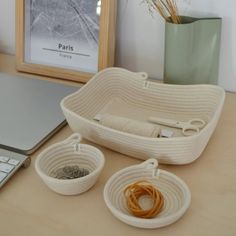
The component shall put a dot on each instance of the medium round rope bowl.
(70, 153)
(176, 194)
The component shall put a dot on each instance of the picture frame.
(67, 41)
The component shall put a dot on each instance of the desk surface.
(28, 207)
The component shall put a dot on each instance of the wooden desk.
(28, 207)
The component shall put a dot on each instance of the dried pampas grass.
(167, 9)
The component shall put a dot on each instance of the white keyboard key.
(13, 162)
(2, 176)
(4, 167)
(4, 159)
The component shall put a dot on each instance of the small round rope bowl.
(70, 153)
(176, 195)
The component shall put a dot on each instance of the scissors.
(188, 127)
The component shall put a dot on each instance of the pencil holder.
(192, 51)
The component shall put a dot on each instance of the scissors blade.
(164, 121)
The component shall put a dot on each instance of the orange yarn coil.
(138, 189)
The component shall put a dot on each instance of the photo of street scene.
(65, 32)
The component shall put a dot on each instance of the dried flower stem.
(166, 8)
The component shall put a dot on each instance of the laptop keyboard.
(10, 162)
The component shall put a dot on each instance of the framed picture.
(67, 39)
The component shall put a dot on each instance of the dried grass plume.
(167, 9)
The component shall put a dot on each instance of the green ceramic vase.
(192, 51)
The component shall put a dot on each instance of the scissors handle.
(197, 122)
(188, 128)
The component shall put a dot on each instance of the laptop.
(30, 114)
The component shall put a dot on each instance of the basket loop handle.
(151, 164)
(143, 75)
(76, 137)
(74, 140)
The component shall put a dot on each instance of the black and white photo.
(65, 39)
(63, 33)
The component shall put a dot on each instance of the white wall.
(140, 37)
(7, 26)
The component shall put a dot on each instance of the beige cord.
(130, 125)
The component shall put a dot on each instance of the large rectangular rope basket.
(127, 94)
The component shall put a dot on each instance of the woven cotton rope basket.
(70, 152)
(176, 194)
(123, 93)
